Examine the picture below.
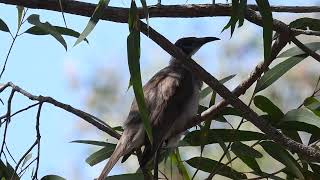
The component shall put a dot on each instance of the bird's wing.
(167, 94)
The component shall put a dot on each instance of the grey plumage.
(171, 96)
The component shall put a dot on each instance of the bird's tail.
(120, 150)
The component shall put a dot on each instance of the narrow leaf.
(242, 11)
(267, 106)
(20, 12)
(26, 159)
(234, 17)
(93, 20)
(313, 104)
(206, 91)
(52, 177)
(267, 22)
(91, 142)
(133, 51)
(295, 51)
(135, 176)
(35, 30)
(34, 19)
(247, 154)
(281, 155)
(182, 169)
(3, 26)
(100, 155)
(227, 135)
(277, 71)
(207, 165)
(306, 23)
(301, 119)
(145, 9)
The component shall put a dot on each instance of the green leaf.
(182, 169)
(247, 154)
(242, 11)
(227, 135)
(295, 51)
(306, 23)
(133, 50)
(35, 30)
(301, 119)
(91, 142)
(244, 150)
(93, 20)
(136, 176)
(281, 155)
(206, 91)
(277, 71)
(3, 26)
(34, 19)
(234, 16)
(52, 177)
(313, 104)
(26, 159)
(267, 22)
(207, 165)
(145, 9)
(267, 106)
(20, 12)
(100, 155)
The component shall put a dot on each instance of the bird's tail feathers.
(120, 150)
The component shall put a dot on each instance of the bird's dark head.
(190, 45)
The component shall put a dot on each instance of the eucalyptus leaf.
(91, 142)
(194, 138)
(93, 20)
(306, 23)
(133, 51)
(295, 51)
(267, 22)
(100, 155)
(135, 176)
(34, 19)
(52, 177)
(20, 12)
(207, 165)
(277, 71)
(283, 156)
(26, 159)
(301, 119)
(3, 26)
(35, 30)
(267, 106)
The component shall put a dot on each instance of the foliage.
(251, 147)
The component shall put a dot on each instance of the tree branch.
(85, 116)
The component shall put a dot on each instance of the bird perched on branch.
(171, 96)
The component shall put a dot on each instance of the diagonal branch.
(84, 115)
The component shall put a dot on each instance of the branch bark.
(85, 116)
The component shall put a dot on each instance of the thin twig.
(21, 110)
(8, 117)
(23, 157)
(84, 115)
(35, 176)
(5, 145)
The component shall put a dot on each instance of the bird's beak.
(202, 41)
(205, 40)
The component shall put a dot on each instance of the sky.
(40, 65)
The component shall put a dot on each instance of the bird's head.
(190, 45)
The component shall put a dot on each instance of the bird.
(172, 98)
